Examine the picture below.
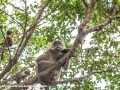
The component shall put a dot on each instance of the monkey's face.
(57, 45)
(54, 75)
(9, 32)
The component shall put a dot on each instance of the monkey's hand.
(65, 50)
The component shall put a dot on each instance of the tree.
(37, 23)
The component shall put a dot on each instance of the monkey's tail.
(2, 52)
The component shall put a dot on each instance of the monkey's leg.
(47, 88)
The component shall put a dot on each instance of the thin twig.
(85, 66)
(87, 17)
(26, 14)
(85, 3)
(23, 36)
(12, 18)
(17, 74)
(47, 14)
(83, 77)
(100, 26)
(114, 7)
(15, 7)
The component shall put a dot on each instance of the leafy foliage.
(60, 21)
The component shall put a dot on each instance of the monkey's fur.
(7, 42)
(55, 51)
(21, 77)
(8, 39)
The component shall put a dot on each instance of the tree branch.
(87, 17)
(100, 26)
(32, 80)
(81, 78)
(5, 81)
(114, 7)
(15, 6)
(24, 29)
(26, 14)
(60, 62)
(77, 41)
(47, 14)
(71, 51)
(93, 3)
(85, 3)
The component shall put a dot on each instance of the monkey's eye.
(57, 42)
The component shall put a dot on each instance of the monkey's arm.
(66, 64)
(40, 62)
(39, 58)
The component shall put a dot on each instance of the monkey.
(8, 39)
(8, 42)
(55, 51)
(18, 78)
(22, 76)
